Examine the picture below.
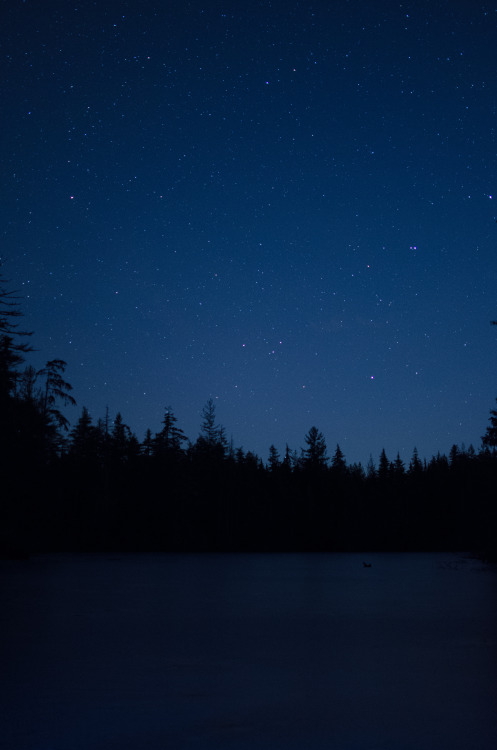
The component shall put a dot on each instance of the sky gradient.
(289, 207)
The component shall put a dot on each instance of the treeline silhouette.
(96, 487)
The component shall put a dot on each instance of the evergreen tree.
(148, 444)
(274, 458)
(86, 439)
(27, 390)
(287, 463)
(398, 466)
(55, 389)
(314, 456)
(415, 466)
(356, 471)
(371, 469)
(80, 433)
(169, 440)
(212, 439)
(295, 461)
(454, 455)
(383, 466)
(12, 351)
(121, 439)
(103, 438)
(134, 447)
(10, 360)
(252, 460)
(209, 430)
(338, 463)
(489, 439)
(222, 441)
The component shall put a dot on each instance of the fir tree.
(287, 461)
(55, 389)
(212, 439)
(87, 441)
(274, 458)
(415, 465)
(338, 463)
(371, 469)
(356, 471)
(454, 455)
(383, 466)
(209, 430)
(489, 439)
(12, 351)
(170, 439)
(398, 466)
(120, 440)
(314, 456)
(148, 444)
(27, 390)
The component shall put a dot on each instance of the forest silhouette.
(96, 488)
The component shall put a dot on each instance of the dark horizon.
(98, 489)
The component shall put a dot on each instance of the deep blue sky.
(289, 207)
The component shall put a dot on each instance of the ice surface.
(249, 652)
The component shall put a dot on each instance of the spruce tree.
(169, 440)
(371, 468)
(85, 439)
(209, 431)
(55, 389)
(489, 439)
(314, 456)
(148, 444)
(12, 350)
(398, 466)
(383, 466)
(338, 464)
(415, 466)
(212, 440)
(274, 458)
(121, 440)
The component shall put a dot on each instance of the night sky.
(289, 207)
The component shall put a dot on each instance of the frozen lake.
(252, 652)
